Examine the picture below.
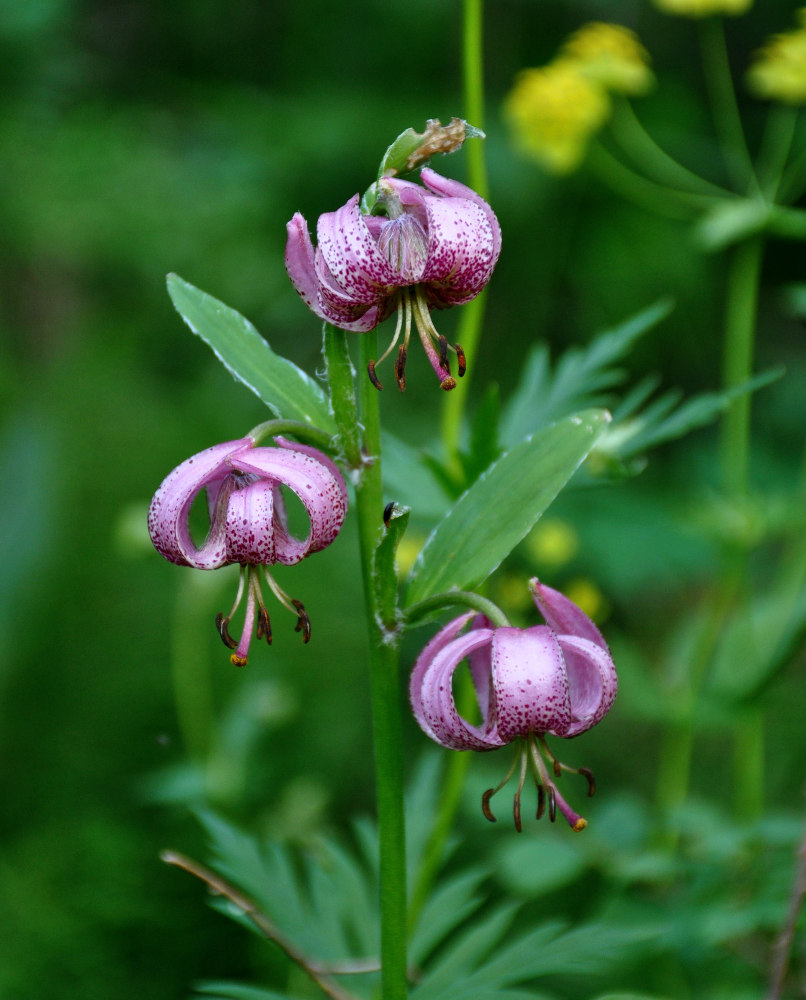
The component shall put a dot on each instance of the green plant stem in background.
(383, 661)
(744, 277)
(472, 315)
(727, 120)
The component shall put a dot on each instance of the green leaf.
(498, 510)
(580, 376)
(239, 991)
(279, 383)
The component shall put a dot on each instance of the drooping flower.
(248, 521)
(778, 72)
(553, 112)
(556, 678)
(432, 247)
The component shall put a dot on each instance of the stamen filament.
(485, 799)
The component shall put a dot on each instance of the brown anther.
(303, 621)
(448, 383)
(388, 510)
(461, 360)
(485, 805)
(558, 771)
(221, 624)
(541, 801)
(516, 812)
(400, 368)
(552, 805)
(588, 774)
(263, 624)
(373, 377)
(443, 353)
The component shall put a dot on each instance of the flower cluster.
(248, 523)
(422, 248)
(554, 110)
(779, 68)
(556, 678)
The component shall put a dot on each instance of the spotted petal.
(170, 507)
(592, 683)
(432, 694)
(530, 683)
(563, 615)
(352, 255)
(320, 491)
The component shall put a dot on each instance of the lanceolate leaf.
(489, 520)
(283, 387)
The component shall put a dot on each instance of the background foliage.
(139, 138)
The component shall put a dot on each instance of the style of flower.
(248, 521)
(556, 678)
(422, 248)
(779, 68)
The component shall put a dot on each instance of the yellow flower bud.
(779, 69)
(612, 56)
(553, 111)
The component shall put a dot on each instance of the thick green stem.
(384, 673)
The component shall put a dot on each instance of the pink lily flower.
(556, 678)
(248, 522)
(435, 247)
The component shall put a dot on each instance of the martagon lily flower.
(556, 678)
(433, 247)
(248, 521)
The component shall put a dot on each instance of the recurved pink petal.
(563, 615)
(300, 263)
(454, 189)
(352, 255)
(340, 308)
(530, 682)
(460, 249)
(170, 507)
(592, 682)
(440, 718)
(319, 490)
(445, 636)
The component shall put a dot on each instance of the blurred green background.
(138, 138)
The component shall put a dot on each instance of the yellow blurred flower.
(407, 552)
(779, 69)
(612, 56)
(586, 595)
(553, 111)
(552, 543)
(702, 8)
